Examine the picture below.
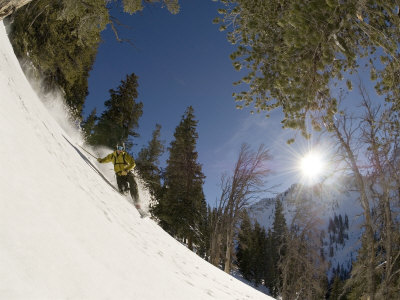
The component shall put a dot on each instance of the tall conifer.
(57, 42)
(260, 254)
(119, 120)
(244, 250)
(180, 208)
(89, 123)
(147, 162)
(279, 233)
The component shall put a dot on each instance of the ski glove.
(123, 173)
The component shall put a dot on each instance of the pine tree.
(278, 241)
(88, 124)
(119, 120)
(130, 6)
(203, 237)
(57, 43)
(270, 269)
(293, 50)
(147, 163)
(179, 209)
(337, 289)
(244, 249)
(260, 253)
(253, 251)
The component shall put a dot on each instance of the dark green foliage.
(270, 269)
(336, 290)
(258, 254)
(133, 6)
(58, 44)
(147, 162)
(204, 231)
(337, 230)
(88, 124)
(181, 207)
(279, 226)
(57, 41)
(244, 253)
(293, 50)
(278, 244)
(252, 255)
(119, 120)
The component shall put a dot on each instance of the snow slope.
(65, 233)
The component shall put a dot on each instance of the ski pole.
(87, 152)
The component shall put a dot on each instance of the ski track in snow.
(65, 232)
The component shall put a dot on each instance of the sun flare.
(312, 165)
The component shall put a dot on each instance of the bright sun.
(312, 165)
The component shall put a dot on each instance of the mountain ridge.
(334, 202)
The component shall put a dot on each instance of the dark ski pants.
(126, 183)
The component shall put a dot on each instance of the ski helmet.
(120, 147)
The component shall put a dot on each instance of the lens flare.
(312, 165)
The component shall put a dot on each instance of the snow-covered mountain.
(65, 233)
(337, 206)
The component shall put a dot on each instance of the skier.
(123, 165)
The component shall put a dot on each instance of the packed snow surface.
(65, 233)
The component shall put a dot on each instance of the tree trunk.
(228, 253)
(370, 274)
(215, 252)
(7, 7)
(216, 237)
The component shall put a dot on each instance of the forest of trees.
(298, 54)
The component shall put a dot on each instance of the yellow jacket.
(122, 161)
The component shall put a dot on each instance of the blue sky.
(183, 60)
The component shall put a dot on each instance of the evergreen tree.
(259, 253)
(278, 241)
(147, 162)
(244, 249)
(270, 268)
(88, 124)
(57, 41)
(179, 209)
(119, 120)
(337, 289)
(253, 251)
(58, 45)
(204, 232)
(294, 49)
(130, 6)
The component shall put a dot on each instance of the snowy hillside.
(338, 208)
(65, 232)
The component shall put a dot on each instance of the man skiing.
(123, 165)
